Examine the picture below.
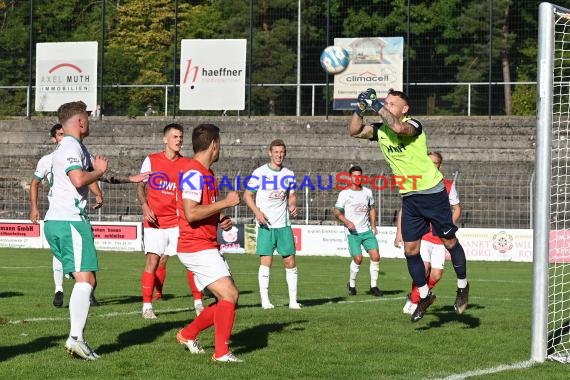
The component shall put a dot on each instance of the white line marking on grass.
(107, 315)
(488, 371)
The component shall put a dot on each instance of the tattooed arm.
(114, 177)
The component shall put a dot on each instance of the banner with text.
(480, 244)
(375, 62)
(20, 234)
(65, 72)
(118, 236)
(212, 74)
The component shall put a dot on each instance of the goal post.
(550, 330)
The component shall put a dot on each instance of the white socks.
(79, 308)
(263, 278)
(462, 283)
(291, 277)
(354, 268)
(374, 269)
(147, 306)
(57, 275)
(424, 291)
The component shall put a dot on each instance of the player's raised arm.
(356, 127)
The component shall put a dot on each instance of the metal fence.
(312, 97)
(489, 198)
(460, 58)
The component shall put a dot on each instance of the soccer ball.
(334, 59)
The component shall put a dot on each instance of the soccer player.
(355, 209)
(432, 249)
(200, 213)
(158, 203)
(67, 227)
(43, 169)
(403, 143)
(275, 200)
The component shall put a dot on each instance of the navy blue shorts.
(419, 210)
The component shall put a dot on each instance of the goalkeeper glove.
(362, 104)
(372, 100)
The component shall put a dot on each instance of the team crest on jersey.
(279, 194)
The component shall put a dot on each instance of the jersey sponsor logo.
(280, 195)
(361, 208)
(73, 160)
(161, 181)
(395, 149)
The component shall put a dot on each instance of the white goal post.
(550, 333)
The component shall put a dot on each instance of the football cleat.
(191, 345)
(376, 292)
(409, 307)
(267, 306)
(93, 301)
(423, 306)
(80, 349)
(58, 299)
(227, 358)
(351, 290)
(295, 305)
(148, 314)
(461, 299)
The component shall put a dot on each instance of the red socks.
(202, 322)
(416, 292)
(147, 282)
(222, 316)
(223, 325)
(159, 277)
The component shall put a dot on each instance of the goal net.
(551, 296)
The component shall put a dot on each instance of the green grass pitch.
(332, 337)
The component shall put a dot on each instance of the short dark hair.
(203, 135)
(67, 110)
(277, 142)
(176, 126)
(399, 94)
(54, 129)
(354, 168)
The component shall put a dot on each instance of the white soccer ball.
(334, 59)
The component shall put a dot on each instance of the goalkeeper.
(404, 146)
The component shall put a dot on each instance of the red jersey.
(161, 188)
(429, 236)
(198, 184)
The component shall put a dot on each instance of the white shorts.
(433, 253)
(208, 266)
(161, 241)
